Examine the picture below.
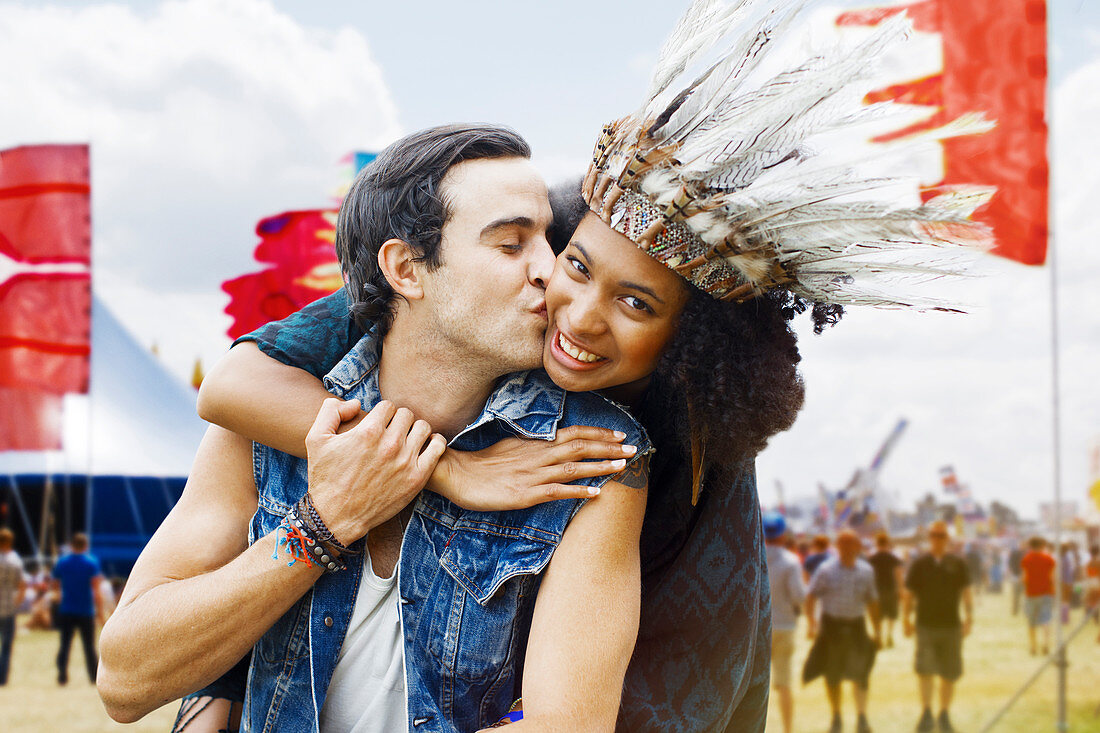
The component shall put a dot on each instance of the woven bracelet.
(309, 514)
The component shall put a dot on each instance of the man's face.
(487, 297)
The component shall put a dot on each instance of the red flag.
(299, 247)
(45, 290)
(994, 61)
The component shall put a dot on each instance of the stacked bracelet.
(302, 542)
(308, 512)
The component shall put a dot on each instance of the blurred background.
(201, 147)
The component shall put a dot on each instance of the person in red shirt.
(1038, 569)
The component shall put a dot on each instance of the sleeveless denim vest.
(467, 580)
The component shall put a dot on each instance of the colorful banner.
(45, 290)
(298, 246)
(994, 61)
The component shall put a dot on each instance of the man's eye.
(511, 248)
(577, 265)
(637, 304)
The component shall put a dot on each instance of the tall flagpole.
(1056, 413)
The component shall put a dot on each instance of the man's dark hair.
(79, 542)
(397, 196)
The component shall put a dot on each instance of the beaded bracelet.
(302, 543)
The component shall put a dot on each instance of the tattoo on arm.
(636, 475)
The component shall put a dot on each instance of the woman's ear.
(398, 263)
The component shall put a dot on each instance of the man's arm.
(97, 598)
(812, 593)
(22, 591)
(585, 622)
(968, 610)
(907, 612)
(795, 587)
(199, 598)
(876, 621)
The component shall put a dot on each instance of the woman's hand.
(516, 473)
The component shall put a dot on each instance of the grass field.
(995, 655)
(996, 663)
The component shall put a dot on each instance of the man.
(1015, 575)
(888, 581)
(443, 238)
(819, 553)
(975, 561)
(13, 586)
(788, 593)
(77, 575)
(845, 587)
(937, 582)
(1038, 571)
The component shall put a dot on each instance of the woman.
(683, 259)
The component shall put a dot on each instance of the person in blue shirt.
(77, 575)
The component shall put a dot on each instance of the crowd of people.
(70, 598)
(846, 587)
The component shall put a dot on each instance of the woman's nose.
(586, 315)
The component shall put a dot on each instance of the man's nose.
(541, 264)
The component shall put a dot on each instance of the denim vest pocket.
(496, 580)
(481, 561)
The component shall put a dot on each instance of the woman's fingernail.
(619, 463)
(630, 449)
(593, 490)
(618, 434)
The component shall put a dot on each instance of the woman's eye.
(577, 265)
(637, 304)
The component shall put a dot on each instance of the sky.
(205, 116)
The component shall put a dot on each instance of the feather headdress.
(716, 173)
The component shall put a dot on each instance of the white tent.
(127, 448)
(137, 419)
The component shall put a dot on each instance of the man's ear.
(397, 262)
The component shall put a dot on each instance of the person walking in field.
(842, 650)
(78, 576)
(1038, 573)
(12, 588)
(819, 553)
(788, 592)
(888, 580)
(938, 583)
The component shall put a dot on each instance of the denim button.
(328, 621)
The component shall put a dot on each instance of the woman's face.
(611, 308)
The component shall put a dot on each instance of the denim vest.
(467, 580)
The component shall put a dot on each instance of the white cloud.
(203, 116)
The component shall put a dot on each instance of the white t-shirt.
(367, 691)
